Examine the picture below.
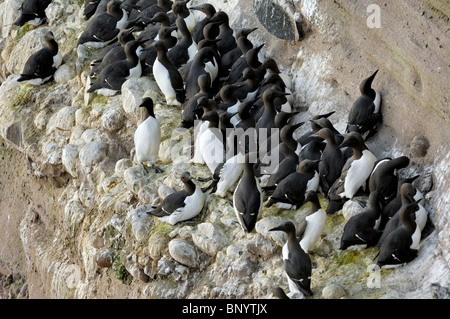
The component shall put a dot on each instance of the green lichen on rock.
(121, 271)
(21, 97)
(346, 257)
(333, 221)
(114, 238)
(24, 30)
(100, 99)
(163, 228)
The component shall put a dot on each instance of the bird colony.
(243, 118)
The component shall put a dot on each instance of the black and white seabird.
(243, 45)
(287, 133)
(247, 197)
(191, 109)
(287, 166)
(213, 66)
(104, 27)
(245, 115)
(363, 228)
(355, 172)
(312, 150)
(206, 105)
(394, 205)
(129, 5)
(420, 215)
(384, 178)
(180, 9)
(297, 263)
(111, 78)
(112, 53)
(267, 79)
(267, 132)
(186, 68)
(304, 138)
(259, 101)
(230, 103)
(250, 90)
(365, 114)
(228, 173)
(167, 76)
(149, 56)
(90, 7)
(273, 69)
(211, 145)
(331, 162)
(32, 12)
(137, 7)
(182, 205)
(267, 120)
(401, 246)
(324, 122)
(161, 19)
(197, 68)
(250, 59)
(211, 31)
(291, 190)
(147, 136)
(226, 34)
(209, 11)
(310, 227)
(42, 64)
(226, 126)
(264, 69)
(146, 14)
(185, 49)
(287, 118)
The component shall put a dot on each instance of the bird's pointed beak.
(278, 228)
(296, 126)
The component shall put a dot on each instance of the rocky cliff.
(73, 200)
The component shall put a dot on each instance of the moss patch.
(22, 96)
(163, 228)
(346, 257)
(24, 30)
(120, 271)
(100, 99)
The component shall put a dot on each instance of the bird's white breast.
(212, 69)
(212, 149)
(357, 174)
(313, 183)
(190, 22)
(315, 224)
(251, 95)
(122, 20)
(57, 60)
(229, 174)
(415, 238)
(285, 252)
(198, 157)
(421, 217)
(147, 138)
(162, 78)
(135, 72)
(377, 102)
(192, 50)
(193, 206)
(234, 108)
